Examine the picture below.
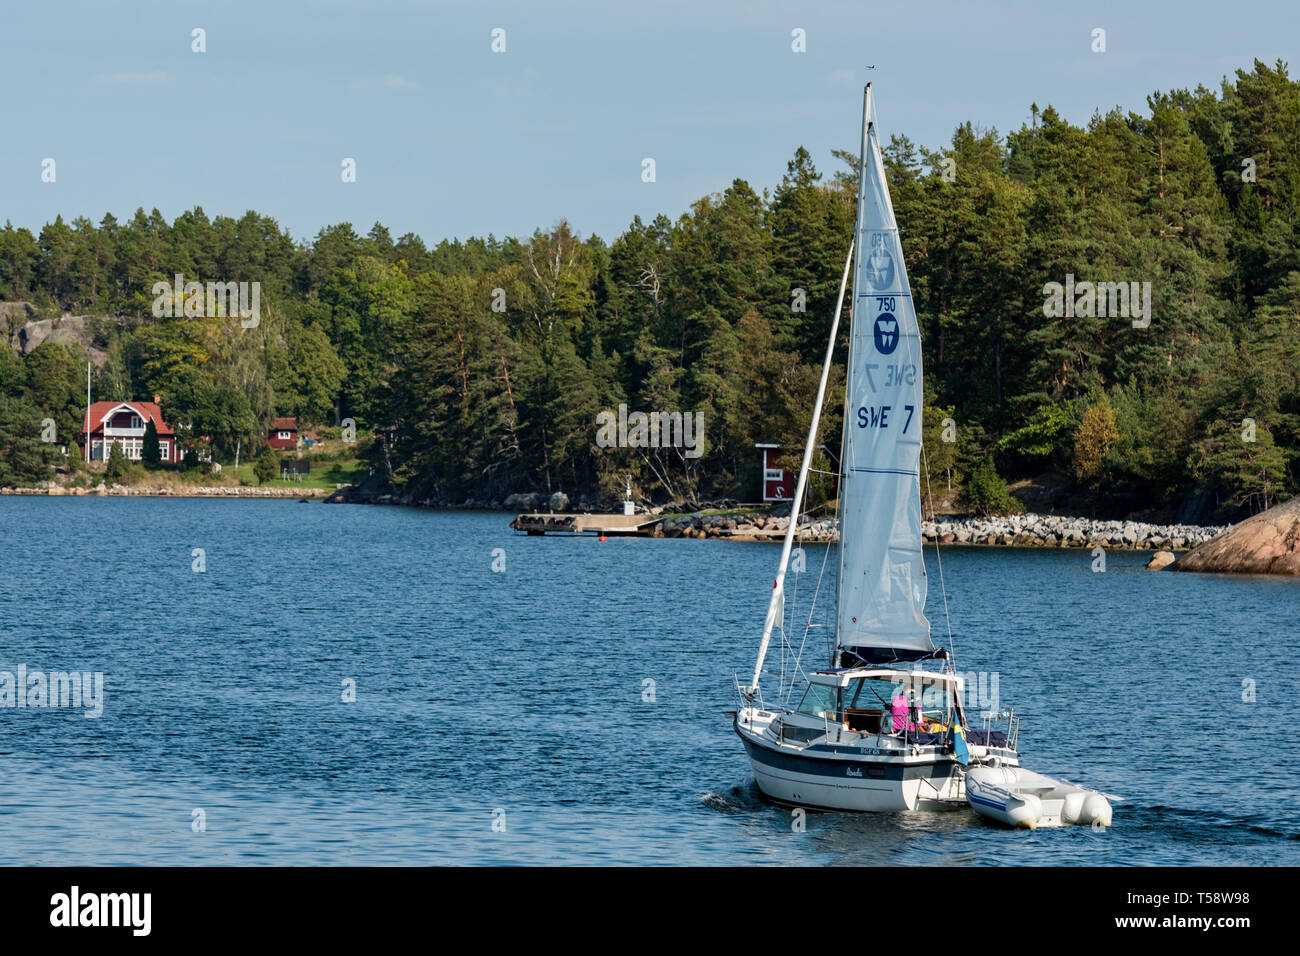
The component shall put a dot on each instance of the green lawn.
(324, 474)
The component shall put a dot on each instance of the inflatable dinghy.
(1021, 798)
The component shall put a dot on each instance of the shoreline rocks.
(1267, 543)
(1017, 531)
(196, 491)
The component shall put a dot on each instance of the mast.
(844, 432)
(778, 587)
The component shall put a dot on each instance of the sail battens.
(881, 599)
(884, 471)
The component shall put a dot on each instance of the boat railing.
(1005, 723)
(1005, 717)
(917, 734)
(747, 696)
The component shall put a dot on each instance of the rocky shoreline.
(1021, 531)
(198, 491)
(1266, 543)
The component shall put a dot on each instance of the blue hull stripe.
(865, 769)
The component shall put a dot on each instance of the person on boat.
(905, 710)
(898, 708)
(914, 718)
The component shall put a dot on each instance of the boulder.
(1268, 543)
(1160, 559)
(559, 501)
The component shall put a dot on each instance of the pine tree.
(267, 465)
(150, 450)
(117, 461)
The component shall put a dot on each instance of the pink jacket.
(898, 707)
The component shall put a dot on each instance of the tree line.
(484, 363)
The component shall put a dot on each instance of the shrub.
(986, 493)
(267, 465)
(1092, 439)
(117, 462)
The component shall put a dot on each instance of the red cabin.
(778, 484)
(284, 433)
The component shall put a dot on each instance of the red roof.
(285, 424)
(146, 410)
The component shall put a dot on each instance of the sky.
(451, 139)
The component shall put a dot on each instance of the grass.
(715, 512)
(324, 474)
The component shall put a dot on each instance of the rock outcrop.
(1268, 543)
(1161, 559)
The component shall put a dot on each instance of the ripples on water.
(523, 691)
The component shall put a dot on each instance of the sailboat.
(883, 726)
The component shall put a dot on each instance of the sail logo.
(885, 332)
(878, 270)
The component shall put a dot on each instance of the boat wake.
(745, 798)
(1210, 826)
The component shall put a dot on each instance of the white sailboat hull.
(853, 779)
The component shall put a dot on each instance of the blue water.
(517, 698)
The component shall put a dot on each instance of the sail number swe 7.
(873, 416)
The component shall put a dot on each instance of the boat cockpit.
(884, 700)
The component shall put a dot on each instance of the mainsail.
(882, 585)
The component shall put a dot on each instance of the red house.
(125, 422)
(778, 484)
(284, 433)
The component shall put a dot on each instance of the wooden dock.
(586, 524)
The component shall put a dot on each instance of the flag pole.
(87, 413)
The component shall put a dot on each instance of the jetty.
(602, 524)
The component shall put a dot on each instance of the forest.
(483, 363)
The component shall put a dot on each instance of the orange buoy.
(602, 537)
